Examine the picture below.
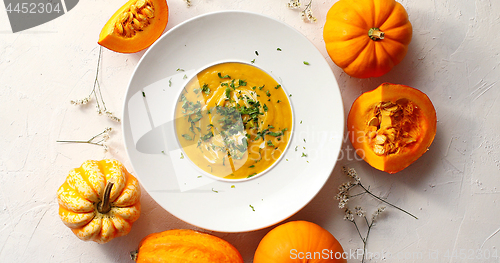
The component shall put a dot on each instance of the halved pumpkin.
(135, 26)
(392, 126)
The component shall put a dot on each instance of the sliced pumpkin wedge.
(392, 126)
(135, 26)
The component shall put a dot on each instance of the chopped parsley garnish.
(215, 191)
(265, 107)
(256, 52)
(205, 89)
(182, 156)
(279, 49)
(251, 166)
(144, 94)
(261, 87)
(303, 155)
(223, 77)
(270, 143)
(252, 208)
(170, 82)
(187, 137)
(252, 175)
(185, 76)
(277, 87)
(207, 136)
(268, 93)
(179, 69)
(306, 63)
(253, 61)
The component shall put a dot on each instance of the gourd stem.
(375, 34)
(104, 206)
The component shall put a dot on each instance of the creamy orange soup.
(233, 120)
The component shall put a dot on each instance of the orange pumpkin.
(135, 26)
(367, 38)
(299, 241)
(185, 246)
(392, 126)
(99, 200)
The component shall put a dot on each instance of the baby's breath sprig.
(98, 139)
(307, 14)
(96, 92)
(349, 216)
(343, 196)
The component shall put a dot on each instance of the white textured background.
(453, 188)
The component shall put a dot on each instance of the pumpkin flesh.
(392, 126)
(135, 26)
(367, 38)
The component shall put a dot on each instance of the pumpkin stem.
(104, 206)
(133, 254)
(375, 34)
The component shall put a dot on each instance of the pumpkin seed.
(378, 149)
(374, 122)
(380, 139)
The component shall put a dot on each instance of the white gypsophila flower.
(359, 211)
(112, 116)
(348, 215)
(378, 212)
(345, 187)
(293, 4)
(307, 15)
(343, 200)
(351, 172)
(98, 109)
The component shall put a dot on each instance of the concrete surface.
(453, 188)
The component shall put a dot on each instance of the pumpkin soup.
(233, 120)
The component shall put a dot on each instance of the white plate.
(220, 205)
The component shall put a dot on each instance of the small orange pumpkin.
(299, 241)
(367, 38)
(392, 126)
(99, 200)
(135, 26)
(185, 246)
